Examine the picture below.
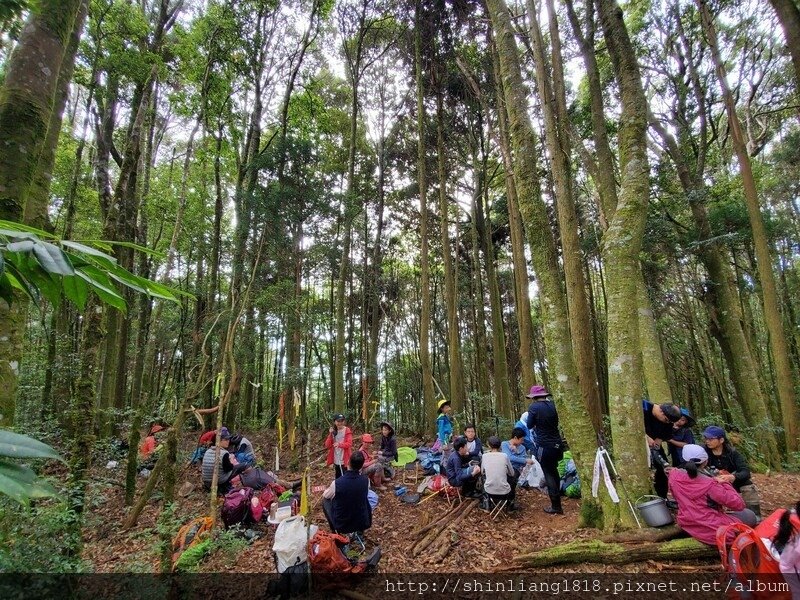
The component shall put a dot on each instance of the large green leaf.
(17, 235)
(83, 248)
(53, 259)
(32, 270)
(14, 226)
(21, 246)
(21, 483)
(102, 286)
(76, 290)
(16, 445)
(20, 282)
(6, 289)
(137, 247)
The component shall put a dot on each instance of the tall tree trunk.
(789, 18)
(571, 407)
(428, 395)
(550, 83)
(622, 242)
(457, 392)
(26, 105)
(769, 294)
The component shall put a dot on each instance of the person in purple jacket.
(705, 504)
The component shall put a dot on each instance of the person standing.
(658, 422)
(339, 444)
(444, 426)
(549, 448)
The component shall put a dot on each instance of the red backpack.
(325, 554)
(748, 561)
(236, 507)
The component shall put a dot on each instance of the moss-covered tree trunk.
(550, 84)
(621, 244)
(789, 18)
(571, 406)
(655, 372)
(26, 110)
(428, 395)
(763, 258)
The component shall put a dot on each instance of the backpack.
(236, 507)
(290, 543)
(746, 559)
(258, 479)
(325, 554)
(190, 535)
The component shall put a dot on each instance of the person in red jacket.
(339, 444)
(704, 504)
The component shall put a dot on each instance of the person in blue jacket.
(515, 450)
(460, 473)
(444, 426)
(681, 436)
(529, 442)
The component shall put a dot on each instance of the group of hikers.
(710, 484)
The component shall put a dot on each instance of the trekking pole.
(617, 476)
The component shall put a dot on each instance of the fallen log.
(428, 526)
(433, 532)
(440, 535)
(597, 551)
(648, 534)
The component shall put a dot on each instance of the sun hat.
(694, 453)
(713, 431)
(689, 418)
(442, 403)
(156, 428)
(389, 425)
(366, 438)
(537, 391)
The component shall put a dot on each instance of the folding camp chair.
(406, 460)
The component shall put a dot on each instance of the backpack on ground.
(192, 534)
(746, 558)
(325, 554)
(568, 472)
(236, 507)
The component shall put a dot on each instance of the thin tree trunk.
(769, 294)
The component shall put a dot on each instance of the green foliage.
(17, 481)
(38, 538)
(49, 268)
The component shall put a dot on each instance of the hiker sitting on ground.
(203, 444)
(681, 435)
(704, 504)
(731, 465)
(658, 421)
(529, 442)
(460, 473)
(227, 468)
(339, 444)
(787, 543)
(150, 447)
(515, 450)
(498, 474)
(444, 425)
(474, 446)
(242, 448)
(345, 502)
(383, 458)
(373, 467)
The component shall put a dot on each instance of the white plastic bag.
(290, 542)
(535, 477)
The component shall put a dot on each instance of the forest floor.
(483, 546)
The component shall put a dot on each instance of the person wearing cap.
(226, 467)
(372, 464)
(203, 444)
(149, 443)
(549, 447)
(705, 504)
(529, 441)
(731, 465)
(385, 455)
(444, 426)
(339, 444)
(658, 422)
(681, 435)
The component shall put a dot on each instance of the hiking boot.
(552, 510)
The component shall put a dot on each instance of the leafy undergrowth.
(481, 545)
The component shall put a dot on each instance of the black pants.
(327, 510)
(468, 486)
(660, 482)
(338, 471)
(512, 481)
(548, 458)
